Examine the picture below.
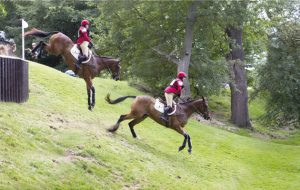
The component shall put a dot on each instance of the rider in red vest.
(174, 88)
(84, 40)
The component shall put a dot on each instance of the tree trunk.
(187, 48)
(238, 86)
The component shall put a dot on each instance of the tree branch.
(167, 56)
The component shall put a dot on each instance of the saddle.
(76, 52)
(160, 106)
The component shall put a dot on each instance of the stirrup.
(78, 63)
(77, 66)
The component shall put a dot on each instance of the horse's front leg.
(89, 87)
(186, 139)
(89, 98)
(93, 96)
(190, 144)
(39, 45)
(184, 142)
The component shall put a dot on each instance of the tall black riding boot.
(165, 116)
(81, 58)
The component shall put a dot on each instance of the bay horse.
(143, 107)
(60, 44)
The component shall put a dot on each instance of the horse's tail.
(39, 33)
(107, 98)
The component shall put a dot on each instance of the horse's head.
(111, 64)
(202, 107)
(116, 70)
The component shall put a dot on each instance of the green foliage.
(280, 76)
(208, 76)
(2, 10)
(11, 23)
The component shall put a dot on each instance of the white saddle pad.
(161, 107)
(76, 52)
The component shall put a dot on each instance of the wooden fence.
(13, 80)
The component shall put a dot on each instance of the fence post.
(13, 79)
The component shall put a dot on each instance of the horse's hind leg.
(134, 122)
(90, 92)
(117, 125)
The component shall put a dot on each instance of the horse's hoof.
(110, 130)
(190, 150)
(180, 148)
(90, 108)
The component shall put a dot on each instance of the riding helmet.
(85, 22)
(181, 75)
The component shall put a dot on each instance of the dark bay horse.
(60, 44)
(143, 107)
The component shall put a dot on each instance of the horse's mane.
(39, 33)
(106, 57)
(190, 101)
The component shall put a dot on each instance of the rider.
(175, 87)
(84, 40)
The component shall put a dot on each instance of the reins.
(195, 108)
(107, 67)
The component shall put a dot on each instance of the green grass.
(54, 142)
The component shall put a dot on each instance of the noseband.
(109, 70)
(107, 67)
(195, 108)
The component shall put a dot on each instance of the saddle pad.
(75, 52)
(159, 106)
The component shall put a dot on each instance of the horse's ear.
(203, 98)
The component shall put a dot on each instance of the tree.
(280, 76)
(187, 47)
(151, 36)
(184, 63)
(238, 86)
(230, 17)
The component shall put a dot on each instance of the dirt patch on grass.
(133, 186)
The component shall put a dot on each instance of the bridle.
(195, 108)
(108, 69)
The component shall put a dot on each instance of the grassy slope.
(220, 105)
(53, 142)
